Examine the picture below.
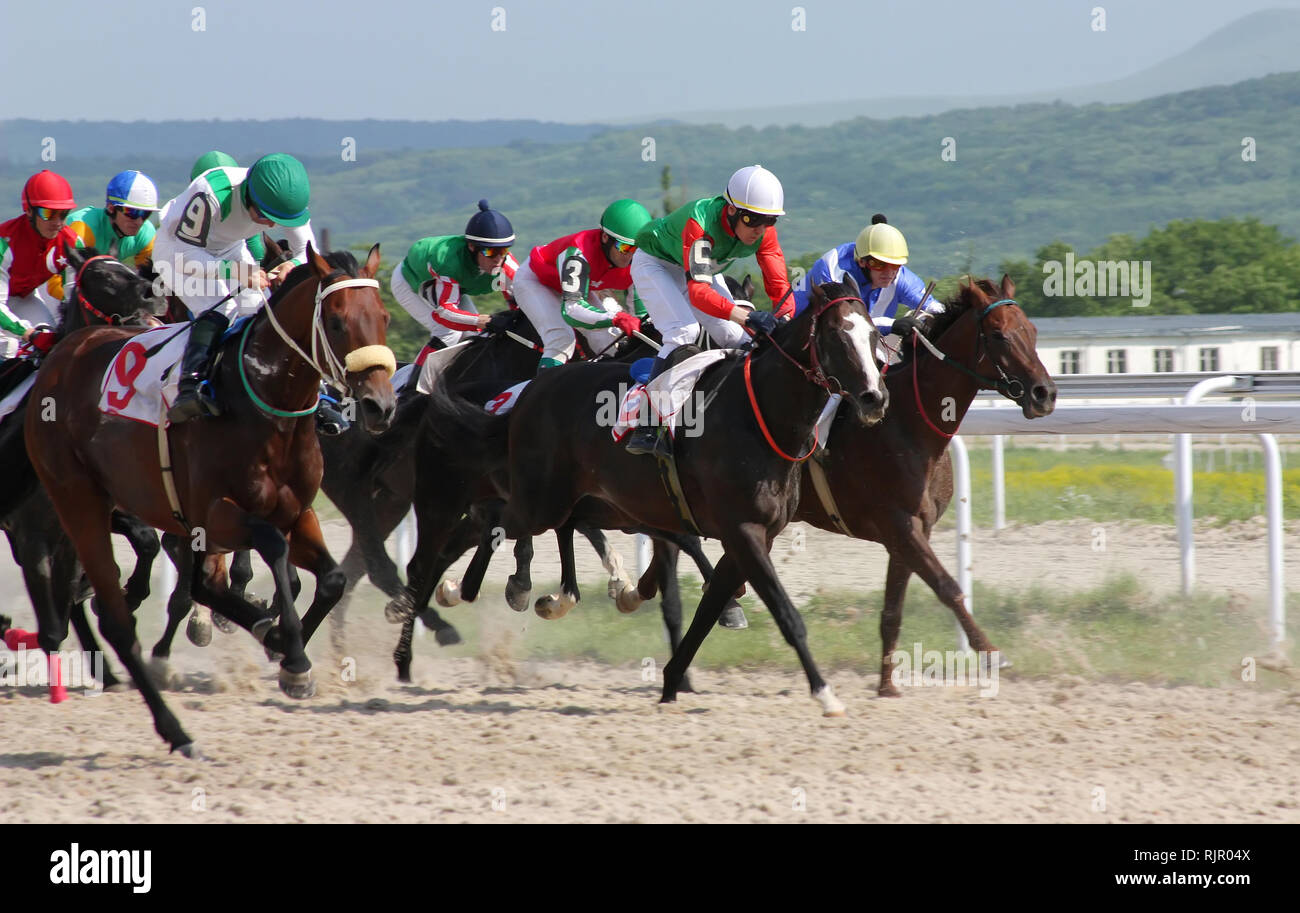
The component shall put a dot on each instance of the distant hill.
(20, 140)
(1022, 177)
(1256, 45)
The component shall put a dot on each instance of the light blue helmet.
(134, 190)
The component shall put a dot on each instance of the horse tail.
(462, 427)
(15, 465)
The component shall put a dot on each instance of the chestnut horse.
(890, 483)
(244, 479)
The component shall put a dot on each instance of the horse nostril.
(1041, 393)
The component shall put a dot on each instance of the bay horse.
(738, 476)
(891, 482)
(244, 479)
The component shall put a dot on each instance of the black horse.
(740, 476)
(106, 291)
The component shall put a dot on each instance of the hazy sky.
(567, 60)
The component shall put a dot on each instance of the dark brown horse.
(740, 476)
(890, 483)
(244, 479)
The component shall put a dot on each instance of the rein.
(988, 383)
(814, 375)
(333, 372)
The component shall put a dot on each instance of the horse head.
(844, 341)
(109, 291)
(355, 323)
(1005, 338)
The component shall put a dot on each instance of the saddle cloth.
(665, 395)
(15, 396)
(139, 388)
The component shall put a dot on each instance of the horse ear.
(73, 256)
(1008, 287)
(372, 263)
(747, 288)
(817, 295)
(318, 264)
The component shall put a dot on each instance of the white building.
(1225, 343)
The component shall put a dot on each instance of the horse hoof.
(616, 586)
(189, 750)
(161, 673)
(831, 705)
(446, 636)
(685, 685)
(404, 674)
(400, 608)
(888, 689)
(555, 606)
(117, 687)
(199, 628)
(223, 624)
(628, 599)
(733, 617)
(298, 685)
(516, 597)
(447, 594)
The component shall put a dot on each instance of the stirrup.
(645, 439)
(329, 420)
(193, 402)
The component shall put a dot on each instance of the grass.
(1102, 484)
(1115, 631)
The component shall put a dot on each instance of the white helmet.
(133, 190)
(756, 189)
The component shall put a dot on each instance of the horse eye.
(998, 336)
(336, 323)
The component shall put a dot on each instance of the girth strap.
(673, 486)
(168, 474)
(822, 486)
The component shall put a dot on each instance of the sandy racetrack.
(495, 739)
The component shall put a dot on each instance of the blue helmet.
(489, 228)
(133, 190)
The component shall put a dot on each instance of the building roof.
(1166, 325)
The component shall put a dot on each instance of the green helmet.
(213, 159)
(277, 185)
(622, 219)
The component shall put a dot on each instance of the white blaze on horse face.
(859, 331)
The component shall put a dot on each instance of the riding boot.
(645, 438)
(330, 420)
(194, 398)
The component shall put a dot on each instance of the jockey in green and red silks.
(31, 253)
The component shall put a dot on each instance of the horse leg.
(90, 644)
(891, 619)
(670, 604)
(557, 605)
(88, 524)
(482, 525)
(726, 577)
(520, 584)
(179, 604)
(308, 551)
(144, 541)
(912, 548)
(733, 616)
(610, 559)
(241, 574)
(286, 637)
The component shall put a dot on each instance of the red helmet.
(47, 189)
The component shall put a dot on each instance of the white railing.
(1182, 420)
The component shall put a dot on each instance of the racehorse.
(891, 482)
(39, 545)
(243, 479)
(738, 476)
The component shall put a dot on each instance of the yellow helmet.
(882, 242)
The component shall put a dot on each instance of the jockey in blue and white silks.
(875, 263)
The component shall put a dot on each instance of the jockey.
(200, 242)
(563, 287)
(31, 251)
(678, 264)
(434, 280)
(875, 263)
(218, 159)
(121, 228)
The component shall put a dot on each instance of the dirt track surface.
(498, 739)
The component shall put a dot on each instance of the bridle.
(84, 302)
(322, 358)
(1007, 386)
(813, 374)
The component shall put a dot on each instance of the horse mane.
(957, 304)
(339, 259)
